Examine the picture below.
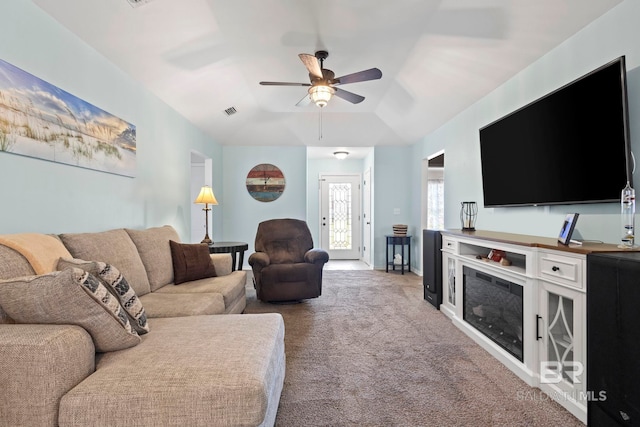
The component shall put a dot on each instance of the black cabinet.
(432, 266)
(613, 339)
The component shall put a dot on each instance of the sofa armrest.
(222, 263)
(316, 256)
(38, 365)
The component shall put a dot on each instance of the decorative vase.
(628, 213)
(468, 215)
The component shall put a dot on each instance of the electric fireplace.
(493, 306)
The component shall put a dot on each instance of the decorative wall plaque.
(265, 182)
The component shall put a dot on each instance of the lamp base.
(206, 239)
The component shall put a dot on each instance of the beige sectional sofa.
(194, 367)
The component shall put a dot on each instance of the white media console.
(531, 314)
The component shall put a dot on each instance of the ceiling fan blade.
(311, 62)
(349, 96)
(304, 101)
(283, 84)
(361, 76)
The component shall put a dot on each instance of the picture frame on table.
(567, 228)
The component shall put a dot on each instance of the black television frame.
(621, 60)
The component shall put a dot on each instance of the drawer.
(449, 245)
(561, 269)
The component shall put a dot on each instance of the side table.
(402, 241)
(236, 249)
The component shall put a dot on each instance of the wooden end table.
(236, 249)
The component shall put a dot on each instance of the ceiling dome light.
(341, 155)
(321, 94)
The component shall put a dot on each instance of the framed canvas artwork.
(40, 120)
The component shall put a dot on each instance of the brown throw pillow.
(191, 261)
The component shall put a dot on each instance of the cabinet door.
(560, 332)
(449, 281)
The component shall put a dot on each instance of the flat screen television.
(570, 146)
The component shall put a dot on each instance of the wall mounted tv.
(570, 146)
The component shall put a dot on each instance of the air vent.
(230, 111)
(136, 3)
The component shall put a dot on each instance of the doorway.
(201, 174)
(340, 224)
(366, 218)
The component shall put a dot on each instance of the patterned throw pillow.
(70, 297)
(117, 285)
(191, 261)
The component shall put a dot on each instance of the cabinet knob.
(554, 268)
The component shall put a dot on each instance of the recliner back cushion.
(284, 240)
(113, 247)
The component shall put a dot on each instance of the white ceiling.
(437, 58)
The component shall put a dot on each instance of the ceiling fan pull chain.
(320, 125)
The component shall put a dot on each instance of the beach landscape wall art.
(40, 120)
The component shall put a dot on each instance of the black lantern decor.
(468, 215)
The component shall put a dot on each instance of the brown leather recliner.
(285, 265)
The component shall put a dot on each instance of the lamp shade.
(206, 196)
(321, 94)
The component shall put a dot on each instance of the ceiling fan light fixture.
(321, 94)
(340, 155)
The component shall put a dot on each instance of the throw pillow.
(117, 285)
(70, 297)
(191, 261)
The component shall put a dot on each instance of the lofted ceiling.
(437, 58)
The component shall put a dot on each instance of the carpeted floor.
(371, 352)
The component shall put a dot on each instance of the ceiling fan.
(323, 81)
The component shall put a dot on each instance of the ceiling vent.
(136, 3)
(230, 111)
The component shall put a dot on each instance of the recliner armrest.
(259, 259)
(316, 256)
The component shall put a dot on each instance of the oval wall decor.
(265, 182)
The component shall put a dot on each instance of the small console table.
(236, 249)
(402, 241)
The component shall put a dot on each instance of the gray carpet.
(371, 352)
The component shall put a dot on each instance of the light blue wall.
(613, 35)
(39, 196)
(393, 186)
(241, 213)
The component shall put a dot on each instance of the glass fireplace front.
(494, 307)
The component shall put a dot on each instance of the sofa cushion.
(70, 297)
(113, 247)
(153, 247)
(13, 265)
(158, 304)
(191, 262)
(232, 377)
(41, 250)
(230, 286)
(116, 283)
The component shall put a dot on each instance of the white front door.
(340, 225)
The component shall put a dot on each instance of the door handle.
(538, 337)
